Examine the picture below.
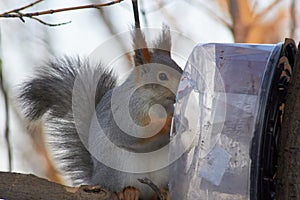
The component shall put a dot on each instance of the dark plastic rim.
(267, 128)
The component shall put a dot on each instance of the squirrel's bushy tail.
(48, 97)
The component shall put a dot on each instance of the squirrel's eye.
(163, 77)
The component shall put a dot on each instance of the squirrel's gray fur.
(50, 93)
(48, 97)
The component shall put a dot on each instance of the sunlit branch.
(16, 13)
(266, 10)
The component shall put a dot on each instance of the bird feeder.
(227, 121)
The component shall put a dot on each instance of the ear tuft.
(164, 41)
(141, 51)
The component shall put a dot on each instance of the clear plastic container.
(219, 106)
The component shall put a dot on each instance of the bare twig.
(24, 7)
(6, 131)
(266, 10)
(16, 13)
(49, 24)
(52, 11)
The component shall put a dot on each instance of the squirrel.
(103, 133)
(68, 95)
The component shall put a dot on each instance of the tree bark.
(27, 186)
(288, 185)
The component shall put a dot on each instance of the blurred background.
(24, 46)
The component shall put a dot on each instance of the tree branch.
(266, 10)
(24, 7)
(16, 13)
(49, 24)
(27, 186)
(6, 131)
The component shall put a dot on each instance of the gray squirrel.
(69, 96)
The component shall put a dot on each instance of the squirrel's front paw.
(129, 193)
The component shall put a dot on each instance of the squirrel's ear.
(163, 43)
(141, 51)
